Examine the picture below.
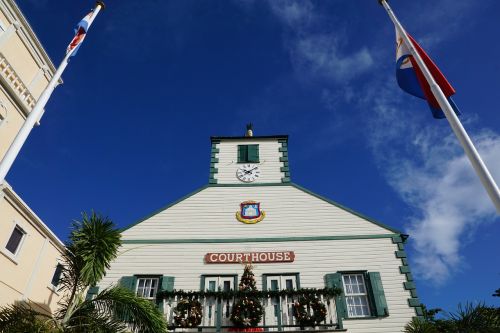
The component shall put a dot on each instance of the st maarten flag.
(80, 32)
(411, 79)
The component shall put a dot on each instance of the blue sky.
(128, 132)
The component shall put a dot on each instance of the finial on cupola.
(249, 130)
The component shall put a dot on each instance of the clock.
(248, 173)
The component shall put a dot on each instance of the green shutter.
(91, 293)
(334, 280)
(253, 153)
(128, 282)
(242, 153)
(378, 294)
(167, 283)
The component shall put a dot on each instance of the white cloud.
(425, 165)
(318, 54)
(321, 56)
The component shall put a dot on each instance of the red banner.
(254, 257)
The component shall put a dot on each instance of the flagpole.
(37, 110)
(464, 139)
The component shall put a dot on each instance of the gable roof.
(382, 225)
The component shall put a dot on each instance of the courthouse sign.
(254, 257)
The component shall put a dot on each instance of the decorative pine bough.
(187, 313)
(309, 311)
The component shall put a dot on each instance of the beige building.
(29, 251)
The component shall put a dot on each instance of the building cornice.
(32, 218)
(218, 138)
(30, 33)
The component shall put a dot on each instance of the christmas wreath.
(247, 312)
(187, 313)
(303, 308)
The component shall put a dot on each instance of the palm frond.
(120, 304)
(476, 318)
(418, 325)
(95, 241)
(23, 318)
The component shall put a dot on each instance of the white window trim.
(14, 257)
(152, 277)
(365, 294)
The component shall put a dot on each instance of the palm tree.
(93, 244)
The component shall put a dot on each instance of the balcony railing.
(278, 312)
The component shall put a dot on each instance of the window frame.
(366, 294)
(247, 159)
(265, 276)
(58, 265)
(205, 287)
(14, 256)
(148, 277)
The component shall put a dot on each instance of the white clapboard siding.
(290, 212)
(313, 259)
(269, 161)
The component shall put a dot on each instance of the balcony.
(278, 311)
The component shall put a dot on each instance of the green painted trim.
(400, 254)
(404, 261)
(419, 311)
(404, 269)
(401, 247)
(414, 302)
(283, 159)
(409, 277)
(251, 184)
(212, 181)
(397, 239)
(363, 318)
(213, 160)
(285, 164)
(348, 209)
(409, 285)
(283, 150)
(283, 140)
(165, 207)
(287, 175)
(285, 180)
(284, 169)
(413, 293)
(254, 240)
(285, 154)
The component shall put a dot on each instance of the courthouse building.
(250, 211)
(29, 251)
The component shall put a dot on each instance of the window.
(147, 287)
(281, 282)
(15, 240)
(356, 295)
(248, 153)
(219, 282)
(57, 275)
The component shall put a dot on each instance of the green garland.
(247, 312)
(303, 308)
(305, 292)
(187, 313)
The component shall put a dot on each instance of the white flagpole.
(36, 112)
(471, 152)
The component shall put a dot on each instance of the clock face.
(248, 173)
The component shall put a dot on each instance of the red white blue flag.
(80, 33)
(412, 80)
